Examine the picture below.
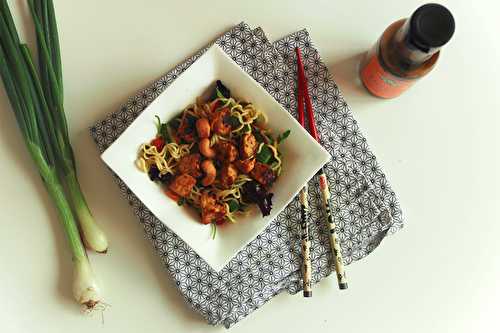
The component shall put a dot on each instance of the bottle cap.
(431, 25)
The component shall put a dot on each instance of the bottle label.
(380, 82)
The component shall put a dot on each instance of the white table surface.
(438, 144)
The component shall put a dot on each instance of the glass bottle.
(407, 50)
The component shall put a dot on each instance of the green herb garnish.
(214, 230)
(258, 136)
(283, 136)
(233, 205)
(233, 121)
(265, 155)
(163, 130)
(219, 94)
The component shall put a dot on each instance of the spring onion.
(37, 103)
(44, 20)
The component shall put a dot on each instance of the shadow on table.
(346, 74)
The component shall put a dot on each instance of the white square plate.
(302, 157)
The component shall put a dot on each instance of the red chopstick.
(303, 96)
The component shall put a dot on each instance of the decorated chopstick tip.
(306, 244)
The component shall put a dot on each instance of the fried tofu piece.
(211, 210)
(248, 145)
(219, 124)
(228, 175)
(182, 184)
(245, 166)
(263, 173)
(226, 151)
(190, 164)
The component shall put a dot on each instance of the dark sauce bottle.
(407, 50)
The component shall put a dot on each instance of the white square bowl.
(302, 157)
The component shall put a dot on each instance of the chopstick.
(304, 214)
(306, 243)
(303, 96)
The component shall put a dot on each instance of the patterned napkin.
(365, 207)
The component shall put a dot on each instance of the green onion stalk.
(42, 12)
(85, 288)
(36, 101)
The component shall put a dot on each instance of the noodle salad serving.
(216, 156)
